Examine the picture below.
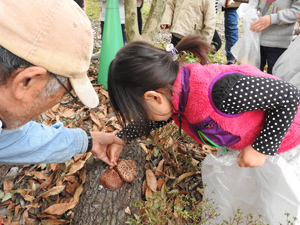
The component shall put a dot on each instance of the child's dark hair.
(140, 67)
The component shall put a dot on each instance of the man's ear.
(29, 81)
(153, 97)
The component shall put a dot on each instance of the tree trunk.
(99, 205)
(151, 26)
(131, 23)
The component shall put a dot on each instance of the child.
(277, 28)
(184, 17)
(234, 106)
(237, 106)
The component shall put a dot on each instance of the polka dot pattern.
(278, 98)
(135, 130)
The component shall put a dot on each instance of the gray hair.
(53, 85)
(9, 62)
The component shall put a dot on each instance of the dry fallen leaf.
(185, 175)
(76, 166)
(127, 210)
(160, 182)
(151, 180)
(7, 186)
(53, 191)
(148, 193)
(95, 119)
(61, 208)
(69, 113)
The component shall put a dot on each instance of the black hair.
(140, 67)
(9, 62)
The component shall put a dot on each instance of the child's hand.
(249, 157)
(261, 24)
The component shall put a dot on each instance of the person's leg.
(102, 28)
(272, 54)
(216, 42)
(123, 33)
(175, 40)
(263, 59)
(231, 31)
(140, 19)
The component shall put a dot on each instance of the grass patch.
(92, 9)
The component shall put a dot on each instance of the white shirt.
(121, 10)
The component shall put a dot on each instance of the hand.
(299, 18)
(249, 157)
(164, 26)
(261, 24)
(113, 153)
(101, 143)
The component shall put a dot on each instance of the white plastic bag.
(287, 67)
(247, 48)
(271, 190)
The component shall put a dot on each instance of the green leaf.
(7, 196)
(1, 194)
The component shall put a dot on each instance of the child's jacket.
(204, 122)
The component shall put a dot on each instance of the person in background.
(276, 24)
(122, 17)
(36, 70)
(216, 41)
(139, 4)
(231, 28)
(185, 17)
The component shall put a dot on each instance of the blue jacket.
(38, 143)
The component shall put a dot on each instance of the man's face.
(37, 105)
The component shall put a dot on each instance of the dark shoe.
(229, 62)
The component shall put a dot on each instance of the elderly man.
(45, 48)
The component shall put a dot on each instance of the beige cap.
(53, 34)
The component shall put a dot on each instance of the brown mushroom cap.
(111, 179)
(126, 169)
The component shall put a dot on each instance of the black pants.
(175, 40)
(269, 56)
(139, 18)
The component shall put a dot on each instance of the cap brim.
(85, 91)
